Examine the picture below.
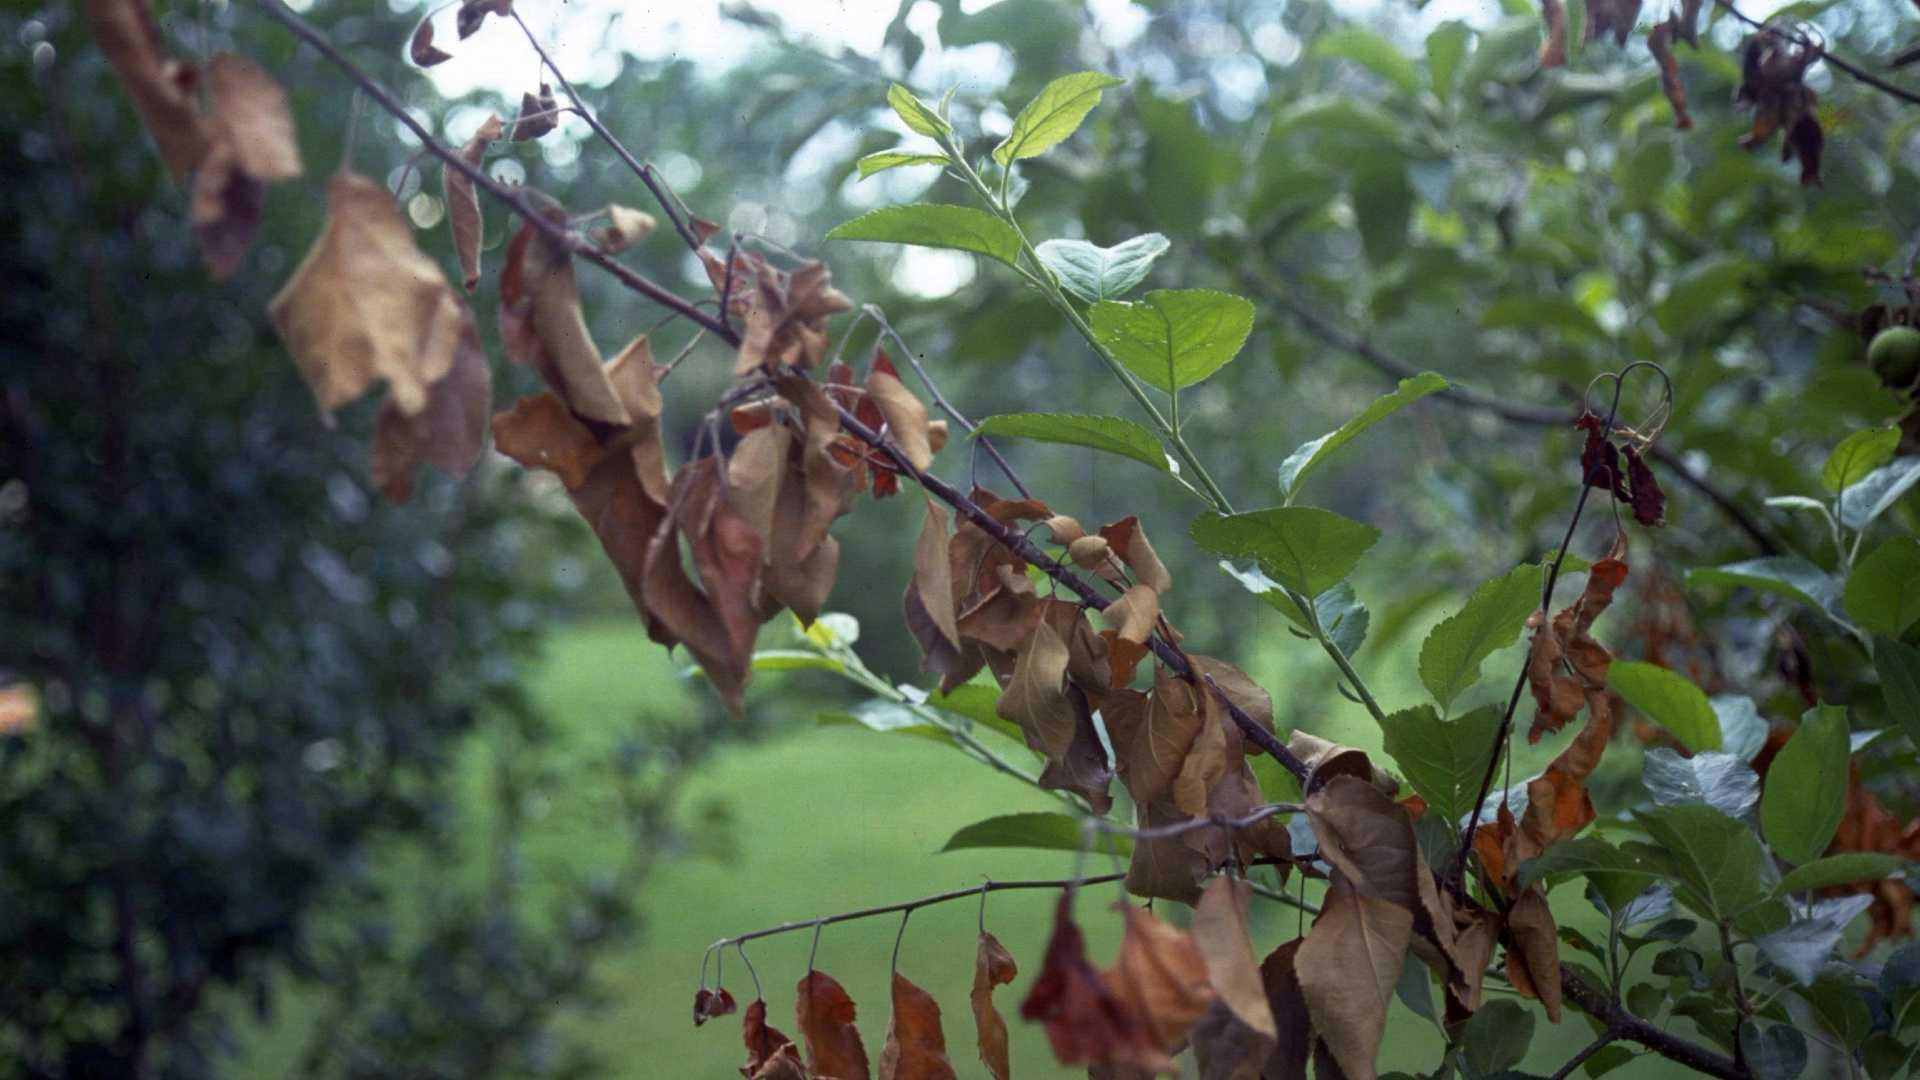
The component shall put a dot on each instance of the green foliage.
(1668, 699)
(925, 225)
(1490, 620)
(1857, 455)
(1444, 760)
(1310, 454)
(1175, 337)
(1883, 591)
(1044, 831)
(1053, 115)
(1108, 434)
(1807, 789)
(1094, 273)
(1304, 548)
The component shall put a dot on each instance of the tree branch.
(1819, 50)
(1634, 1029)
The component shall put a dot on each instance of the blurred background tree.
(302, 795)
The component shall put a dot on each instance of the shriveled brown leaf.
(1134, 614)
(1207, 760)
(624, 228)
(1240, 689)
(1368, 838)
(770, 1053)
(916, 1048)
(162, 89)
(538, 115)
(1089, 552)
(906, 416)
(1220, 932)
(1225, 1048)
(718, 625)
(249, 112)
(1660, 44)
(449, 433)
(224, 209)
(708, 1004)
(754, 474)
(463, 202)
(1533, 951)
(1065, 529)
(992, 966)
(824, 1013)
(541, 283)
(933, 572)
(1162, 977)
(1288, 1003)
(1086, 1021)
(1152, 734)
(1326, 759)
(1553, 20)
(365, 304)
(1614, 17)
(540, 433)
(1083, 768)
(1036, 699)
(474, 12)
(421, 49)
(1348, 967)
(1170, 868)
(1128, 540)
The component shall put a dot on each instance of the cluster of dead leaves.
(916, 1046)
(471, 15)
(1634, 485)
(1773, 69)
(227, 126)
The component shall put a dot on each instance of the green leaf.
(1049, 832)
(1109, 434)
(1669, 700)
(1052, 116)
(1718, 861)
(1094, 273)
(794, 660)
(1490, 620)
(916, 114)
(1857, 455)
(1742, 730)
(933, 225)
(1802, 947)
(1807, 786)
(885, 716)
(1898, 665)
(1306, 549)
(1382, 203)
(1443, 760)
(1373, 52)
(1174, 337)
(1607, 1059)
(1496, 1037)
(1841, 1009)
(1875, 493)
(979, 704)
(893, 159)
(1310, 454)
(1549, 312)
(1446, 48)
(1883, 592)
(1788, 575)
(1620, 874)
(1721, 781)
(1842, 869)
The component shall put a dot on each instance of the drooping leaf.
(1086, 1021)
(1788, 575)
(916, 1047)
(1496, 1037)
(1309, 455)
(916, 114)
(623, 228)
(463, 202)
(894, 159)
(1875, 493)
(1806, 791)
(1347, 968)
(1857, 455)
(1533, 951)
(1490, 620)
(1053, 115)
(933, 225)
(1373, 52)
(1304, 548)
(540, 304)
(162, 89)
(1109, 434)
(1721, 781)
(825, 1014)
(1841, 869)
(992, 966)
(421, 49)
(1173, 338)
(1883, 591)
(1289, 1006)
(905, 414)
(1898, 665)
(1668, 699)
(1220, 932)
(1041, 830)
(1444, 760)
(933, 572)
(770, 1054)
(449, 433)
(1094, 273)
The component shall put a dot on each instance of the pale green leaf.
(893, 159)
(794, 660)
(1309, 455)
(916, 114)
(1545, 312)
(1875, 493)
(1094, 273)
(934, 225)
(1718, 861)
(1668, 699)
(1048, 832)
(1490, 620)
(1788, 575)
(1806, 791)
(1053, 115)
(1174, 337)
(1898, 665)
(1109, 434)
(1857, 455)
(1371, 51)
(1446, 48)
(1304, 548)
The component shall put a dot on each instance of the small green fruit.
(1895, 356)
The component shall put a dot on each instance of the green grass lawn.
(826, 820)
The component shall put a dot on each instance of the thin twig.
(559, 234)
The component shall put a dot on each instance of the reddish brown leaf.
(708, 1004)
(916, 1049)
(624, 228)
(1533, 951)
(1086, 1022)
(250, 143)
(162, 89)
(906, 417)
(449, 433)
(1649, 502)
(538, 115)
(1660, 44)
(543, 287)
(540, 433)
(1128, 540)
(1162, 977)
(475, 12)
(824, 1014)
(1553, 19)
(1288, 1004)
(770, 1054)
(463, 202)
(224, 210)
(992, 966)
(420, 47)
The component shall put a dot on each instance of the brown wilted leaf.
(420, 47)
(538, 289)
(1171, 867)
(1128, 540)
(1035, 698)
(992, 966)
(770, 1053)
(719, 621)
(1089, 552)
(1660, 44)
(1533, 951)
(1614, 17)
(224, 209)
(1348, 966)
(1083, 769)
(1649, 502)
(1152, 734)
(1289, 1006)
(540, 433)
(786, 315)
(906, 416)
(1225, 1048)
(538, 115)
(475, 12)
(449, 433)
(1553, 48)
(916, 1048)
(1134, 614)
(250, 143)
(463, 202)
(1162, 977)
(1804, 141)
(365, 304)
(1220, 932)
(1207, 760)
(824, 1013)
(754, 475)
(1240, 689)
(1326, 759)
(708, 1004)
(162, 89)
(933, 572)
(625, 227)
(1773, 70)
(1368, 838)
(1086, 1022)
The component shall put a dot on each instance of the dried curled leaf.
(250, 143)
(1128, 540)
(770, 1054)
(1660, 44)
(421, 49)
(463, 202)
(365, 304)
(1162, 977)
(475, 12)
(824, 1013)
(1773, 68)
(624, 228)
(992, 966)
(449, 433)
(906, 417)
(1533, 951)
(708, 1004)
(1086, 1021)
(540, 298)
(162, 88)
(538, 115)
(1348, 967)
(916, 1048)
(1220, 932)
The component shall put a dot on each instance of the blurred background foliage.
(320, 786)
